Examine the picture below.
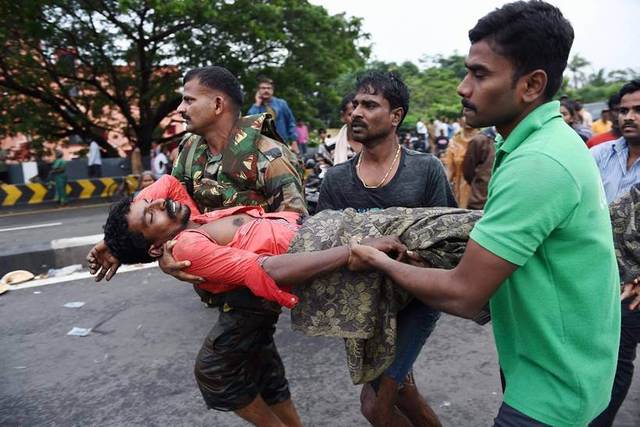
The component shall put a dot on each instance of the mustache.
(468, 104)
(358, 123)
(184, 116)
(170, 206)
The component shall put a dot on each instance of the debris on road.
(17, 276)
(64, 271)
(74, 304)
(79, 332)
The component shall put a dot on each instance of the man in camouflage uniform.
(230, 161)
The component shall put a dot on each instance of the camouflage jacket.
(253, 169)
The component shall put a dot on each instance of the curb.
(54, 254)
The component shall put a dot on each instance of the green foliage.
(66, 63)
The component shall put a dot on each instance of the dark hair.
(218, 78)
(533, 35)
(129, 247)
(346, 101)
(322, 130)
(389, 85)
(265, 79)
(614, 100)
(570, 108)
(630, 87)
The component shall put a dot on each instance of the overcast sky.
(607, 31)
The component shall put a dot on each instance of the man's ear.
(156, 251)
(396, 116)
(534, 85)
(219, 104)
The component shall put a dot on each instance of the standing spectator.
(456, 125)
(584, 116)
(345, 147)
(618, 181)
(614, 133)
(302, 136)
(145, 179)
(95, 159)
(476, 168)
(603, 124)
(265, 102)
(441, 143)
(136, 161)
(542, 254)
(618, 160)
(383, 175)
(571, 117)
(58, 175)
(4, 168)
(453, 160)
(160, 163)
(423, 137)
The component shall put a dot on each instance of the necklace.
(386, 175)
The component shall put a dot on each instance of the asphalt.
(47, 237)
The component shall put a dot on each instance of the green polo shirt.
(556, 319)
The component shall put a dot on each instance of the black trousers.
(629, 339)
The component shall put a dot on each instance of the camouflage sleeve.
(178, 165)
(283, 187)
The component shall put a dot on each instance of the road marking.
(27, 227)
(76, 241)
(78, 276)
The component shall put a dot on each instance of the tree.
(576, 65)
(80, 67)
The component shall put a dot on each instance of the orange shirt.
(238, 264)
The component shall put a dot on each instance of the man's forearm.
(438, 288)
(295, 269)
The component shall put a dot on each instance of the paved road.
(24, 230)
(136, 367)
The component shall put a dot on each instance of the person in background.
(476, 167)
(136, 161)
(441, 143)
(265, 102)
(453, 160)
(4, 168)
(345, 147)
(620, 186)
(145, 179)
(603, 124)
(571, 117)
(95, 159)
(614, 133)
(423, 137)
(160, 162)
(302, 136)
(58, 175)
(584, 116)
(618, 160)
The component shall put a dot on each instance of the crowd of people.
(552, 256)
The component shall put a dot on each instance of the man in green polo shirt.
(542, 255)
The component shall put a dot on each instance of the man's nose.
(181, 108)
(464, 89)
(158, 204)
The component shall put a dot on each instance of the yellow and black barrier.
(79, 189)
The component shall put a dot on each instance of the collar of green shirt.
(531, 123)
